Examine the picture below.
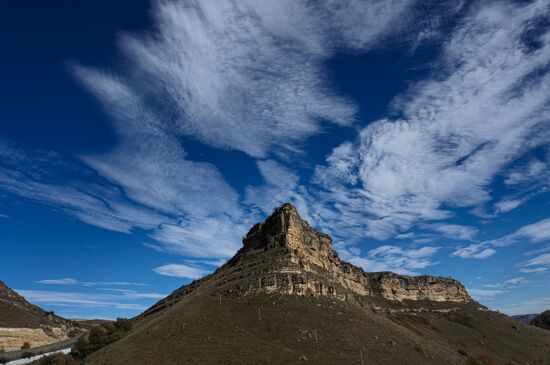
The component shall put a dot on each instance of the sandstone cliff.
(285, 255)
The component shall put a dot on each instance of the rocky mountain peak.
(285, 255)
(285, 228)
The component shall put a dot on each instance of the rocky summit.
(285, 255)
(287, 298)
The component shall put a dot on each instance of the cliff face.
(307, 265)
(285, 255)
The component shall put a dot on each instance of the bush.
(27, 354)
(26, 346)
(3, 360)
(57, 359)
(101, 336)
(123, 324)
(462, 352)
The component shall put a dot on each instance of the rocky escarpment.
(21, 321)
(285, 255)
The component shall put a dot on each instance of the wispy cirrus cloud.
(37, 175)
(392, 258)
(181, 271)
(536, 305)
(71, 281)
(125, 300)
(485, 293)
(534, 233)
(485, 107)
(248, 75)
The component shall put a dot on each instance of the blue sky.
(140, 140)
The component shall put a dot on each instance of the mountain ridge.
(285, 255)
(287, 298)
(21, 321)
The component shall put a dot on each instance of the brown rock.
(285, 255)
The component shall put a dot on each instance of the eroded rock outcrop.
(291, 257)
(285, 255)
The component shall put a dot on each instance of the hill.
(286, 297)
(21, 321)
(542, 320)
(524, 318)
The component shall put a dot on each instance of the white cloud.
(536, 305)
(475, 251)
(181, 271)
(526, 270)
(244, 75)
(212, 237)
(36, 176)
(516, 281)
(535, 233)
(455, 231)
(485, 293)
(392, 258)
(541, 260)
(65, 281)
(526, 173)
(481, 111)
(120, 300)
(507, 205)
(71, 281)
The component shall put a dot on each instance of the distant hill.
(21, 321)
(542, 320)
(524, 318)
(287, 298)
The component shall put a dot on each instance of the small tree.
(123, 324)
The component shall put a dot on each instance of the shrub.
(27, 354)
(26, 346)
(101, 336)
(462, 352)
(123, 324)
(3, 360)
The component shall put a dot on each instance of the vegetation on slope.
(282, 329)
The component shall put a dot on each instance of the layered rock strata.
(285, 255)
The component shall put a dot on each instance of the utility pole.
(361, 353)
(259, 314)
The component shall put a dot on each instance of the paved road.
(14, 355)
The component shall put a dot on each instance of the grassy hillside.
(16, 312)
(279, 329)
